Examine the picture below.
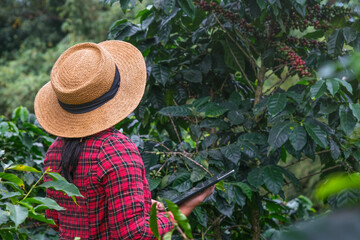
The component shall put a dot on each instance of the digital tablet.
(201, 187)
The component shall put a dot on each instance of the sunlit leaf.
(21, 167)
(18, 214)
(273, 179)
(180, 218)
(153, 221)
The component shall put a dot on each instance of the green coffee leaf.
(4, 216)
(41, 218)
(168, 235)
(317, 134)
(280, 133)
(214, 110)
(5, 195)
(20, 113)
(318, 89)
(232, 152)
(248, 148)
(245, 189)
(18, 214)
(45, 203)
(153, 221)
(55, 176)
(180, 218)
(60, 185)
(273, 179)
(276, 103)
(12, 178)
(334, 150)
(335, 42)
(355, 107)
(350, 34)
(347, 120)
(333, 86)
(182, 183)
(336, 183)
(200, 215)
(345, 84)
(235, 117)
(175, 111)
(289, 175)
(255, 177)
(192, 75)
(188, 7)
(197, 175)
(154, 183)
(21, 167)
(298, 137)
(239, 196)
(161, 74)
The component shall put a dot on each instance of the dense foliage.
(242, 85)
(34, 33)
(256, 86)
(23, 202)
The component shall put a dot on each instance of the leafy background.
(268, 88)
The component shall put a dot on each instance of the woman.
(93, 87)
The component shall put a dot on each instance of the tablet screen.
(201, 187)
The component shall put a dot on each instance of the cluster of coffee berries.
(295, 61)
(215, 7)
(296, 21)
(246, 26)
(303, 42)
(326, 12)
(155, 173)
(316, 16)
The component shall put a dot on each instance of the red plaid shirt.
(117, 199)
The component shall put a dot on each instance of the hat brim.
(55, 120)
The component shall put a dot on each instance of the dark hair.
(70, 157)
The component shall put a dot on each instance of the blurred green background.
(33, 34)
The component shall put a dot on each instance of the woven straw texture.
(83, 73)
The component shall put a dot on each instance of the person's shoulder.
(56, 145)
(118, 151)
(114, 140)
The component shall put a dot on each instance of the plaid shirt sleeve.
(54, 216)
(122, 174)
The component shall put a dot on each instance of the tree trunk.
(255, 218)
(260, 83)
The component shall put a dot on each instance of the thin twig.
(184, 154)
(253, 63)
(177, 134)
(248, 48)
(33, 186)
(316, 173)
(162, 166)
(319, 172)
(241, 69)
(198, 164)
(240, 225)
(279, 83)
(181, 232)
(216, 221)
(161, 144)
(276, 69)
(304, 158)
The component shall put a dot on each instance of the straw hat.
(81, 77)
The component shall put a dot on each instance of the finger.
(160, 206)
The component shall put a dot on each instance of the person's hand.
(187, 207)
(159, 206)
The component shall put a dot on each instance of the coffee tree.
(241, 85)
(23, 201)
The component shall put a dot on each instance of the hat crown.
(82, 73)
